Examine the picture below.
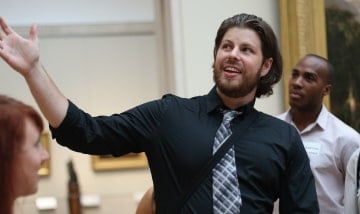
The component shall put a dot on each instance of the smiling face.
(30, 157)
(239, 64)
(308, 84)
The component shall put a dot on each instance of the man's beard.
(239, 90)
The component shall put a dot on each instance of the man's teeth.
(231, 70)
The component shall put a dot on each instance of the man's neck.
(303, 118)
(234, 103)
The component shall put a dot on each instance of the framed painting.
(343, 29)
(302, 31)
(130, 161)
(45, 141)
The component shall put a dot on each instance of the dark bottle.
(73, 190)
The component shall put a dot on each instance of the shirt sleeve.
(349, 143)
(298, 193)
(350, 197)
(116, 135)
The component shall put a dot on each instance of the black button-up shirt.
(177, 136)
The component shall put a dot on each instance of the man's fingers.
(33, 33)
(5, 27)
(2, 33)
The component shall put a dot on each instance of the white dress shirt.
(352, 194)
(329, 143)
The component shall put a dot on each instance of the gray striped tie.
(226, 191)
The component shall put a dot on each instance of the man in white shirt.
(328, 141)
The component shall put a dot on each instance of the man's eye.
(310, 78)
(226, 46)
(246, 50)
(294, 73)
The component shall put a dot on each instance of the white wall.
(97, 85)
(23, 12)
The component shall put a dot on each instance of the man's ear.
(266, 66)
(327, 90)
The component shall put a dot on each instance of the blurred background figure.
(352, 189)
(21, 153)
(73, 190)
(147, 203)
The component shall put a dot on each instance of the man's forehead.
(311, 64)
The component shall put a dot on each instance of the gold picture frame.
(302, 31)
(45, 141)
(130, 161)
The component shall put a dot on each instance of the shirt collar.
(321, 120)
(323, 117)
(214, 103)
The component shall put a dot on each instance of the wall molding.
(90, 30)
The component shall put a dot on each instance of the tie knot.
(229, 115)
